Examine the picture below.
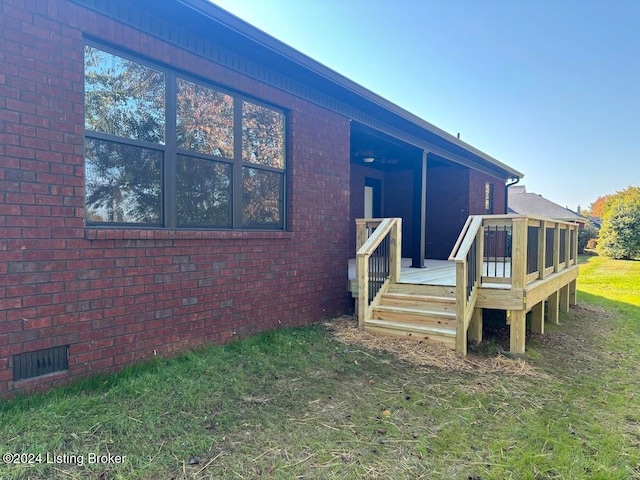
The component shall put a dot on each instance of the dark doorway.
(372, 198)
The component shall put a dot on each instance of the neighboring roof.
(524, 203)
(517, 189)
(210, 19)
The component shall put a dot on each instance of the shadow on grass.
(628, 314)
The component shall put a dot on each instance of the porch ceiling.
(388, 152)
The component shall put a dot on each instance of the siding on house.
(119, 295)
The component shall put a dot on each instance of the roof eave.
(267, 41)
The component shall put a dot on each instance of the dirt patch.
(345, 330)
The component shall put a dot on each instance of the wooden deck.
(514, 263)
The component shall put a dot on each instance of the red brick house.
(172, 177)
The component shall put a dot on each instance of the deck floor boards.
(438, 272)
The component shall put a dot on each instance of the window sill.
(91, 233)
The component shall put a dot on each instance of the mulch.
(345, 330)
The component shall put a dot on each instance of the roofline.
(241, 27)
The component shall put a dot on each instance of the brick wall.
(117, 296)
(477, 182)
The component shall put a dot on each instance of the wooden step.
(431, 290)
(446, 336)
(428, 302)
(415, 316)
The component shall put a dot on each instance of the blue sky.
(550, 87)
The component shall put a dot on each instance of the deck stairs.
(420, 312)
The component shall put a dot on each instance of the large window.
(167, 151)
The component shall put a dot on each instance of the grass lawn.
(298, 404)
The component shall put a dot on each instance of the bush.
(585, 235)
(620, 234)
(592, 243)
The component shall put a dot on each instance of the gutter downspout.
(514, 181)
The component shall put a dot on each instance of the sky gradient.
(551, 88)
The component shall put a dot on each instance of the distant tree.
(596, 209)
(620, 233)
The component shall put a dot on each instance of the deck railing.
(378, 260)
(468, 256)
(516, 251)
(521, 249)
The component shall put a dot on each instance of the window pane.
(203, 192)
(262, 136)
(262, 199)
(204, 120)
(123, 183)
(122, 97)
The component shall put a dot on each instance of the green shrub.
(620, 234)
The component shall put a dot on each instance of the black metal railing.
(497, 251)
(563, 246)
(532, 249)
(379, 267)
(472, 268)
(550, 239)
(572, 241)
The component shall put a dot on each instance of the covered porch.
(433, 189)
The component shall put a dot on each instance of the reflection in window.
(203, 193)
(123, 183)
(134, 168)
(262, 199)
(262, 136)
(204, 120)
(123, 98)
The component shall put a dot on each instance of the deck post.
(564, 298)
(537, 318)
(395, 253)
(575, 245)
(475, 326)
(362, 273)
(556, 249)
(519, 253)
(517, 331)
(553, 305)
(361, 232)
(517, 318)
(461, 300)
(419, 212)
(573, 299)
(542, 249)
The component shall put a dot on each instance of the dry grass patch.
(345, 330)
